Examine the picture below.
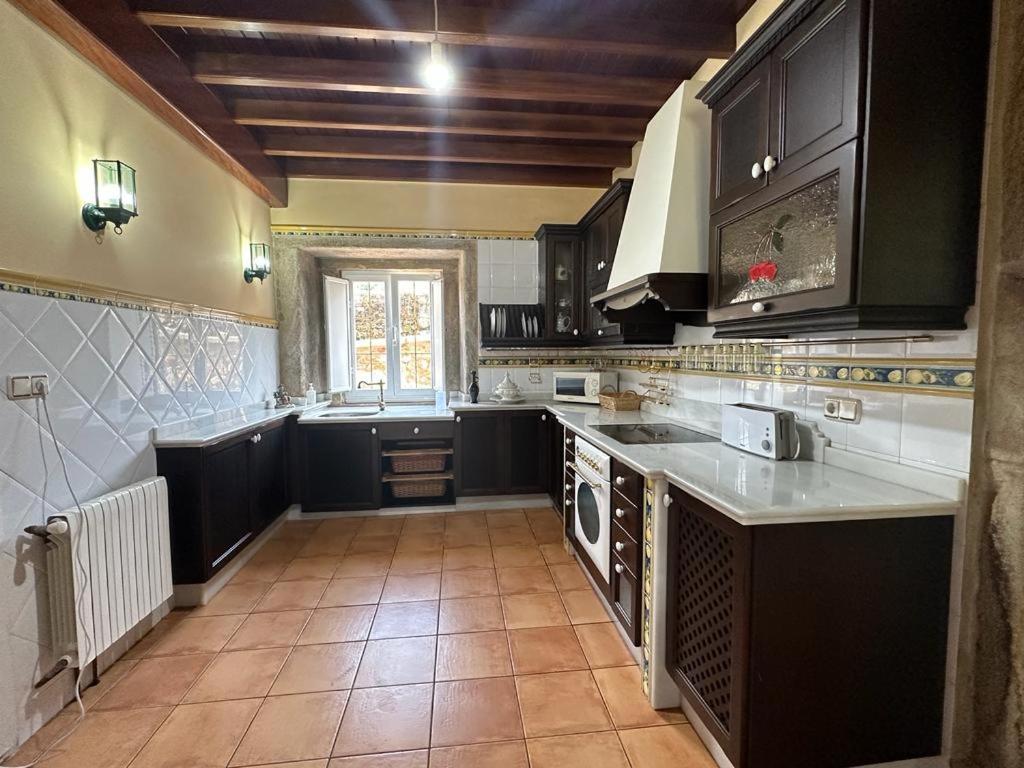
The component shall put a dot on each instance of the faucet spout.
(381, 405)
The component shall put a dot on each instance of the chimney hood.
(661, 263)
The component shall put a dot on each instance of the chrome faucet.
(367, 384)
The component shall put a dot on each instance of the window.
(386, 327)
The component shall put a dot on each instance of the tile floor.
(466, 640)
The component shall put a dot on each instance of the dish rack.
(417, 471)
(511, 324)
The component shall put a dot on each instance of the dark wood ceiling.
(551, 92)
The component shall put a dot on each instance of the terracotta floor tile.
(475, 556)
(38, 742)
(407, 588)
(626, 702)
(238, 675)
(545, 649)
(555, 554)
(420, 542)
(417, 561)
(516, 535)
(382, 544)
(300, 764)
(428, 523)
(590, 750)
(505, 754)
(115, 673)
(199, 735)
(366, 564)
(268, 630)
(357, 590)
(470, 614)
(107, 739)
(314, 668)
(141, 648)
(517, 556)
(669, 746)
(469, 582)
(266, 573)
(472, 655)
(291, 596)
(382, 526)
(157, 682)
(340, 525)
(561, 703)
(415, 759)
(405, 620)
(232, 599)
(296, 529)
(584, 607)
(281, 550)
(603, 646)
(520, 581)
(306, 568)
(203, 635)
(475, 711)
(506, 518)
(337, 625)
(569, 577)
(535, 514)
(460, 538)
(326, 544)
(476, 519)
(299, 727)
(534, 610)
(392, 719)
(548, 533)
(397, 661)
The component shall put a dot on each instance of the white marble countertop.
(219, 426)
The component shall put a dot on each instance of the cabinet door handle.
(756, 171)
(415, 430)
(373, 430)
(575, 331)
(619, 546)
(667, 499)
(600, 332)
(620, 480)
(543, 417)
(568, 441)
(619, 568)
(758, 307)
(568, 502)
(458, 419)
(770, 164)
(568, 486)
(254, 439)
(620, 513)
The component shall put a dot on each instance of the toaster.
(761, 430)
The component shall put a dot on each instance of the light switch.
(842, 409)
(19, 387)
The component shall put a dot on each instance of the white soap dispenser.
(310, 395)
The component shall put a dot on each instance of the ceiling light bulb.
(438, 74)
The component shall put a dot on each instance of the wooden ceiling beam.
(469, 122)
(467, 173)
(413, 21)
(255, 71)
(444, 149)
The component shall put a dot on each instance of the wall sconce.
(259, 262)
(115, 196)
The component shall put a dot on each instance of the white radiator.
(123, 542)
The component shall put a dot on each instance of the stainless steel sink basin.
(350, 413)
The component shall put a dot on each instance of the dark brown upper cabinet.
(846, 177)
(561, 284)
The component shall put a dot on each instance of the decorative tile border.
(647, 599)
(399, 234)
(944, 377)
(37, 285)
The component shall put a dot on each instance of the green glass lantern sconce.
(259, 262)
(115, 196)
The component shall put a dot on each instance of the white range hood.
(662, 255)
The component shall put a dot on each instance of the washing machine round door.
(587, 513)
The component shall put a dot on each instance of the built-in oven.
(582, 386)
(592, 504)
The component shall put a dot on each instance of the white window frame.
(335, 346)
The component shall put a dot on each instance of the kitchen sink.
(350, 413)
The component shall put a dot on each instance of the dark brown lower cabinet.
(814, 645)
(340, 467)
(499, 452)
(221, 497)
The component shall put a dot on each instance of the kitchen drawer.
(408, 430)
(628, 482)
(626, 548)
(624, 591)
(626, 515)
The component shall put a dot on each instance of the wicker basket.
(620, 401)
(419, 489)
(412, 463)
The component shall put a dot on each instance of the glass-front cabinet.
(561, 286)
(791, 252)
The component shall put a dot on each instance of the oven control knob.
(568, 486)
(766, 445)
(620, 480)
(620, 513)
(568, 502)
(619, 546)
(619, 568)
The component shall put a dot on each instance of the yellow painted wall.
(755, 16)
(429, 205)
(57, 113)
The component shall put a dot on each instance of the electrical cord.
(42, 393)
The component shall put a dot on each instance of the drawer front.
(625, 599)
(409, 430)
(628, 482)
(626, 548)
(626, 515)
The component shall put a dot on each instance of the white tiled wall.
(507, 271)
(114, 374)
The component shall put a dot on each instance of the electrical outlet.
(842, 409)
(25, 387)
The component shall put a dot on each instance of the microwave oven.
(583, 386)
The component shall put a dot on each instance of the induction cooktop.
(651, 434)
